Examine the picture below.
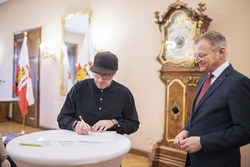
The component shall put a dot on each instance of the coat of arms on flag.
(85, 59)
(23, 83)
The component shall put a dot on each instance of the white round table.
(67, 153)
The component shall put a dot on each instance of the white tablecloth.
(62, 154)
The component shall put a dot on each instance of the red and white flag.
(85, 58)
(23, 84)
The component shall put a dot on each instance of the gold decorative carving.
(166, 78)
(201, 9)
(181, 64)
(176, 39)
(186, 79)
(194, 81)
(192, 11)
(157, 17)
(177, 5)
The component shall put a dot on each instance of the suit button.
(211, 154)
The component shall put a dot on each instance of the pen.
(83, 123)
(30, 144)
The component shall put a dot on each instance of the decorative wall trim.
(139, 152)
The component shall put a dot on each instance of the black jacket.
(93, 104)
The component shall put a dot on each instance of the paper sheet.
(4, 137)
(70, 136)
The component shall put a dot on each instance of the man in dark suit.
(219, 123)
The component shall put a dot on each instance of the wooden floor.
(130, 160)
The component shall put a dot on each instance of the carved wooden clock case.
(180, 75)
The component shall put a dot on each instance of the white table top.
(55, 153)
(5, 99)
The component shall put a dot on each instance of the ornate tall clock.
(180, 75)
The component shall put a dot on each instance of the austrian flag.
(23, 84)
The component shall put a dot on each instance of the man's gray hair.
(215, 39)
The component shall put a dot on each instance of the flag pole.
(24, 89)
(23, 131)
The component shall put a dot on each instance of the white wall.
(18, 15)
(126, 28)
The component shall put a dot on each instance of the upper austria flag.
(23, 84)
(85, 58)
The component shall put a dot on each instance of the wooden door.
(33, 42)
(4, 108)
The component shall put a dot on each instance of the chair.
(3, 155)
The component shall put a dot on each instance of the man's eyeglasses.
(202, 55)
(104, 76)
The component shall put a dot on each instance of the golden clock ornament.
(179, 26)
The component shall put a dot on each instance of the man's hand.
(181, 136)
(81, 129)
(102, 126)
(191, 144)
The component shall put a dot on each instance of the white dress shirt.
(218, 71)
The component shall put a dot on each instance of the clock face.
(179, 35)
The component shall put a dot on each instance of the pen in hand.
(84, 124)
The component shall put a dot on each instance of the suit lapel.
(221, 78)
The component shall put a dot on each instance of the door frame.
(16, 114)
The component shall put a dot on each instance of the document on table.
(65, 135)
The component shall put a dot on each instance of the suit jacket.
(222, 120)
